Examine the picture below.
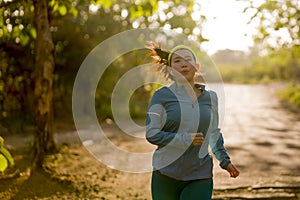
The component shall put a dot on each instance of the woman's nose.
(184, 65)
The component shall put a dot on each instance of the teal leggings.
(166, 188)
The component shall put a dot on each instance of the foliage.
(76, 27)
(17, 34)
(291, 94)
(275, 54)
(5, 157)
(3, 163)
(278, 17)
(275, 66)
(279, 32)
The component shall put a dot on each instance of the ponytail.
(160, 57)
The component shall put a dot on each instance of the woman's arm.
(154, 125)
(217, 141)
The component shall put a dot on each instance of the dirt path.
(261, 137)
(263, 140)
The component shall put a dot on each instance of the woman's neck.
(191, 89)
(186, 84)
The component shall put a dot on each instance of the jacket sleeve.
(155, 122)
(216, 141)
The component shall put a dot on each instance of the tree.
(277, 17)
(43, 91)
(18, 21)
(278, 29)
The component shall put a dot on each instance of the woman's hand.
(197, 138)
(232, 170)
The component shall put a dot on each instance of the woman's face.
(184, 64)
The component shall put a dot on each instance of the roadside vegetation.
(276, 67)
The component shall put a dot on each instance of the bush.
(291, 95)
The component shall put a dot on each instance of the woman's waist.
(186, 168)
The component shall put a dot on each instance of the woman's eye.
(176, 61)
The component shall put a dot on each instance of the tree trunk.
(44, 67)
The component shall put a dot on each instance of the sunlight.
(135, 24)
(282, 35)
(162, 5)
(196, 31)
(124, 13)
(226, 26)
(94, 8)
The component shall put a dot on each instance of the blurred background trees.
(77, 26)
(27, 77)
(275, 55)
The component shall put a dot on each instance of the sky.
(226, 26)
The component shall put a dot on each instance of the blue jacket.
(171, 118)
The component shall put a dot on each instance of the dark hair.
(160, 57)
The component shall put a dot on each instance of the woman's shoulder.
(212, 93)
(165, 89)
(162, 94)
(208, 93)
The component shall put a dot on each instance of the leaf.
(24, 39)
(107, 4)
(3, 163)
(62, 10)
(73, 11)
(5, 153)
(55, 7)
(154, 5)
(52, 3)
(190, 7)
(202, 39)
(5, 31)
(136, 11)
(1, 33)
(16, 32)
(33, 33)
(278, 26)
(103, 3)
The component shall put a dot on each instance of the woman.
(182, 120)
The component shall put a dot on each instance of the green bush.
(291, 94)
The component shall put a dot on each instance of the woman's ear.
(197, 66)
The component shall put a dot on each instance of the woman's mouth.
(184, 72)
